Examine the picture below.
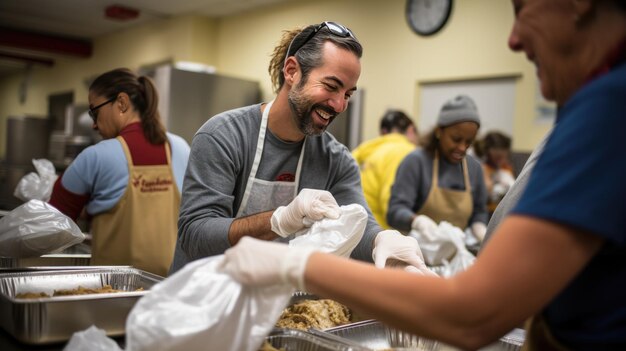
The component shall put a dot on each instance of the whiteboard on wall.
(494, 97)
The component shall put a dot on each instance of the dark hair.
(429, 142)
(395, 121)
(492, 140)
(143, 95)
(309, 56)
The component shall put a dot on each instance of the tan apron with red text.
(141, 229)
(453, 206)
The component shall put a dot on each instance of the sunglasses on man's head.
(334, 27)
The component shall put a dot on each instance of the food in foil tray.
(316, 314)
(268, 347)
(78, 291)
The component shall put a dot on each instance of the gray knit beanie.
(459, 109)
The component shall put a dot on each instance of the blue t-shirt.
(580, 181)
(101, 170)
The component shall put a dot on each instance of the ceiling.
(35, 32)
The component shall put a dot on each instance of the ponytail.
(153, 128)
(143, 96)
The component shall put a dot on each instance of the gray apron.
(263, 195)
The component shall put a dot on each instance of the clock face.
(427, 17)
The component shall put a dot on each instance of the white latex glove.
(424, 225)
(261, 263)
(309, 206)
(505, 178)
(390, 247)
(479, 230)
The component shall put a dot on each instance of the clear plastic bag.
(436, 245)
(445, 245)
(337, 236)
(199, 306)
(37, 228)
(91, 339)
(37, 186)
(462, 259)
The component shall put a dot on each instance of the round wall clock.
(427, 17)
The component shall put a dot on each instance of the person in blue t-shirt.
(557, 260)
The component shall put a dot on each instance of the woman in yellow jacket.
(379, 158)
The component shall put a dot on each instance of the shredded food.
(315, 314)
(79, 291)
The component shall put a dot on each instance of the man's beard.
(302, 108)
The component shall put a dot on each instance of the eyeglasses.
(334, 28)
(93, 111)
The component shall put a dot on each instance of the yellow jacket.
(379, 159)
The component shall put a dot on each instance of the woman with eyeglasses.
(130, 182)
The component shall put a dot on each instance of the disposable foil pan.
(55, 319)
(297, 340)
(77, 255)
(512, 341)
(375, 335)
(46, 261)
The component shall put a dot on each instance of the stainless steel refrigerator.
(187, 99)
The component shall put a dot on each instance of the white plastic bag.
(200, 308)
(37, 186)
(91, 339)
(462, 258)
(436, 245)
(37, 228)
(444, 246)
(337, 236)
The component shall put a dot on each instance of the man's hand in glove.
(390, 247)
(309, 206)
(261, 263)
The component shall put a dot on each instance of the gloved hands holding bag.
(392, 249)
(309, 206)
(264, 263)
(424, 224)
(231, 302)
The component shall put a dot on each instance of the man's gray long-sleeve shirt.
(222, 153)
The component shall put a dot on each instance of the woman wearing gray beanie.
(439, 182)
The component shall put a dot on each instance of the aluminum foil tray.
(46, 261)
(510, 342)
(296, 340)
(375, 335)
(77, 255)
(55, 319)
